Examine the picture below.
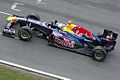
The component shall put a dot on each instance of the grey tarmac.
(94, 15)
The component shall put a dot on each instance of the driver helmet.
(69, 25)
(69, 22)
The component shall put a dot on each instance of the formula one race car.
(80, 40)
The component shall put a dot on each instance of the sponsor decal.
(79, 34)
(98, 50)
(64, 42)
(79, 31)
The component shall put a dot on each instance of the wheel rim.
(99, 55)
(24, 34)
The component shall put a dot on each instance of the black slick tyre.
(99, 54)
(25, 33)
(33, 16)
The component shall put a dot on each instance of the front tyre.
(99, 54)
(25, 33)
(33, 16)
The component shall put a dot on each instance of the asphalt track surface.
(94, 15)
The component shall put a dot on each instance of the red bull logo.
(64, 42)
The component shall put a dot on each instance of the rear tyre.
(99, 54)
(25, 33)
(33, 16)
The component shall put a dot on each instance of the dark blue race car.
(84, 42)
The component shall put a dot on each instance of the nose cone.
(10, 18)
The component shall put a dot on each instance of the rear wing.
(108, 32)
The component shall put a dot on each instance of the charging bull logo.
(64, 42)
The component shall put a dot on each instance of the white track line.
(5, 13)
(33, 70)
(13, 7)
(40, 2)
